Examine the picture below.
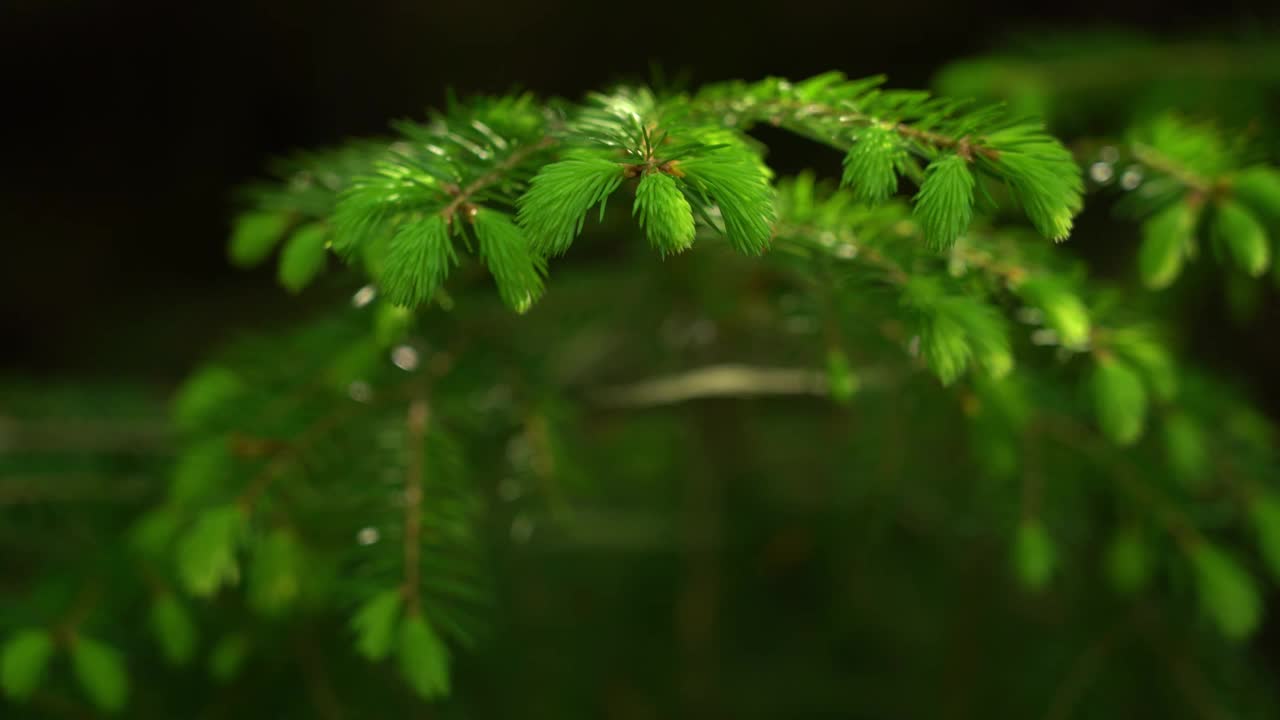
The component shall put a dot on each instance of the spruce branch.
(780, 103)
(324, 442)
(857, 117)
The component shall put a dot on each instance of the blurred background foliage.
(859, 561)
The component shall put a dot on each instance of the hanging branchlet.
(399, 218)
(517, 270)
(884, 133)
(945, 201)
(664, 213)
(554, 210)
(874, 162)
(1200, 188)
(686, 170)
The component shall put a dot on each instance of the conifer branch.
(800, 116)
(935, 281)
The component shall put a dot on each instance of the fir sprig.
(1201, 187)
(879, 128)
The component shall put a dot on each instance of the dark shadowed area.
(131, 123)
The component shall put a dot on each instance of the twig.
(729, 380)
(1086, 666)
(463, 196)
(1189, 678)
(780, 111)
(288, 453)
(317, 679)
(1178, 525)
(416, 430)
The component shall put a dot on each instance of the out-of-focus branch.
(730, 380)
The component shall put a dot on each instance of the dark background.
(131, 124)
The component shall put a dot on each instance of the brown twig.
(462, 196)
(416, 431)
(317, 680)
(1085, 667)
(779, 112)
(1190, 679)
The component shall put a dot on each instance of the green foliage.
(23, 659)
(1042, 174)
(424, 659)
(371, 204)
(462, 478)
(1258, 189)
(1198, 169)
(1064, 312)
(1167, 238)
(101, 672)
(1189, 151)
(276, 573)
(206, 554)
(174, 629)
(375, 624)
(840, 112)
(1033, 554)
(733, 182)
(418, 260)
(664, 213)
(1243, 236)
(1227, 592)
(1128, 561)
(842, 381)
(517, 270)
(552, 213)
(1264, 512)
(255, 235)
(303, 257)
(1148, 356)
(228, 655)
(955, 329)
(1185, 450)
(200, 472)
(1119, 400)
(390, 325)
(205, 397)
(945, 202)
(873, 164)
